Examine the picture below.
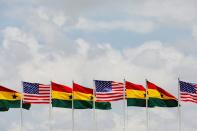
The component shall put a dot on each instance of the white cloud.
(42, 13)
(128, 25)
(17, 48)
(194, 32)
(154, 55)
(167, 11)
(15, 36)
(83, 46)
(59, 20)
(56, 17)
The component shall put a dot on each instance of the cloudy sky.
(65, 40)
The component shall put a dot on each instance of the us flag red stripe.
(188, 92)
(115, 94)
(35, 93)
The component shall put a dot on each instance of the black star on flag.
(14, 96)
(91, 97)
(145, 94)
(70, 97)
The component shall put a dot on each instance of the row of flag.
(99, 97)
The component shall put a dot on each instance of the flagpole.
(73, 120)
(94, 106)
(21, 114)
(50, 110)
(21, 109)
(147, 113)
(179, 108)
(125, 107)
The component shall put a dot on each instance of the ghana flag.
(136, 94)
(83, 99)
(159, 97)
(11, 99)
(61, 95)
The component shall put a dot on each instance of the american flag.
(188, 92)
(36, 93)
(107, 91)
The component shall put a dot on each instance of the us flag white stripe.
(107, 98)
(189, 101)
(104, 95)
(39, 101)
(110, 100)
(188, 94)
(109, 93)
(37, 95)
(30, 98)
(44, 89)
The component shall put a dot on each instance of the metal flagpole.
(179, 108)
(94, 105)
(21, 109)
(147, 113)
(125, 107)
(50, 110)
(73, 120)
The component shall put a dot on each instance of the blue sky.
(69, 40)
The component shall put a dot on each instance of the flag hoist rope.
(179, 108)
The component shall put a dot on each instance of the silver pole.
(179, 108)
(21, 113)
(124, 104)
(21, 109)
(73, 120)
(94, 107)
(147, 113)
(50, 110)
